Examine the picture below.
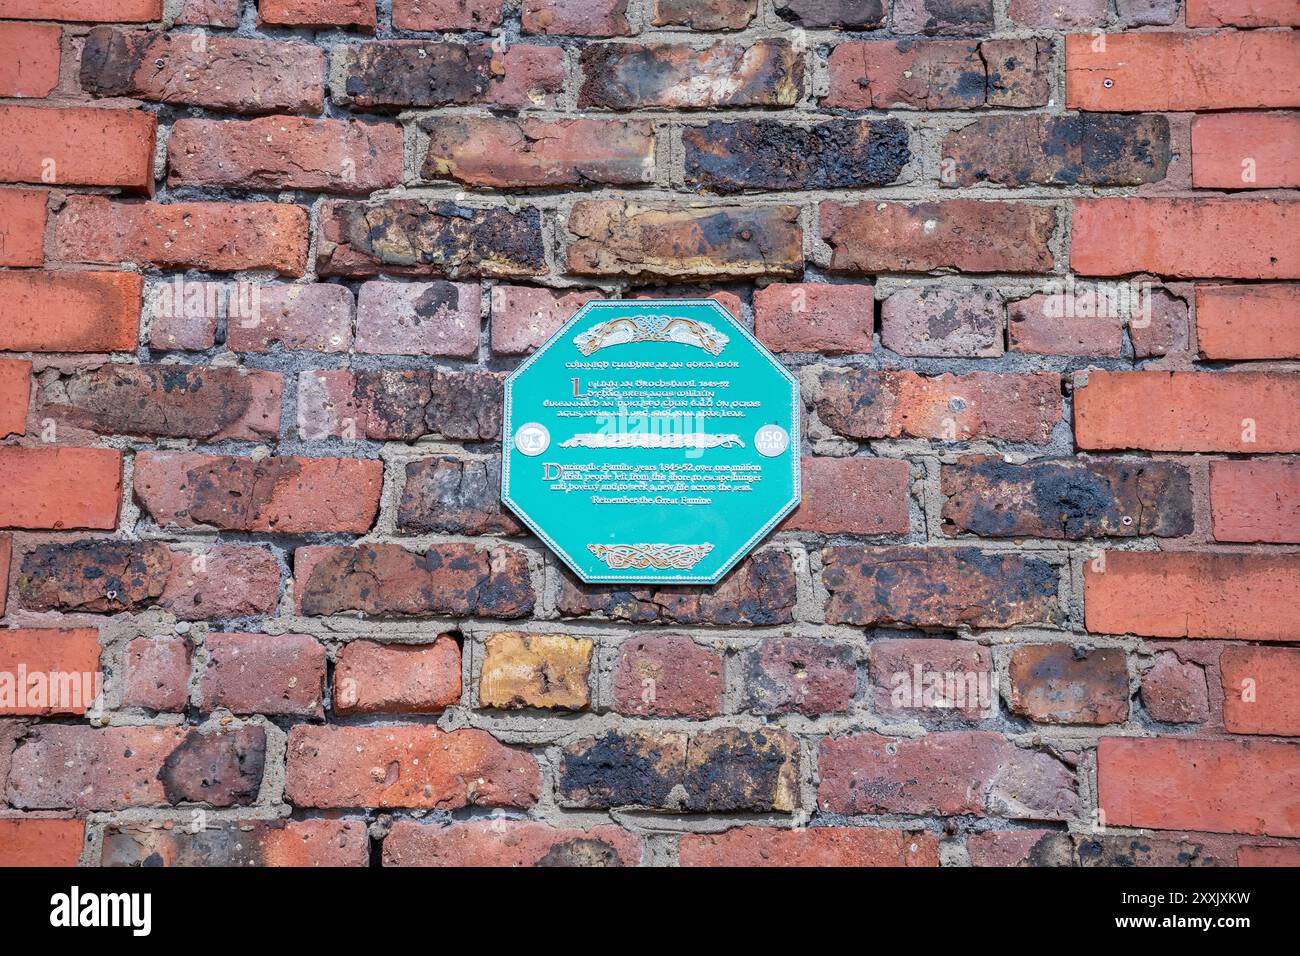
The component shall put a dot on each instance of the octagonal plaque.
(653, 440)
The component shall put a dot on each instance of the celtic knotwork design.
(651, 328)
(663, 557)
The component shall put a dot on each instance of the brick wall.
(266, 265)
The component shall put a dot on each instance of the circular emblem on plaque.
(771, 440)
(532, 439)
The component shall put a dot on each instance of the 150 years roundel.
(651, 441)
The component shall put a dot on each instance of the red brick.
(1252, 412)
(22, 226)
(943, 17)
(943, 321)
(1058, 14)
(454, 495)
(184, 314)
(1185, 238)
(406, 765)
(298, 843)
(280, 674)
(866, 403)
(617, 238)
(313, 318)
(285, 152)
(69, 311)
(214, 236)
(15, 396)
(93, 575)
(949, 774)
(1054, 324)
(77, 147)
(80, 11)
(37, 842)
(418, 237)
(932, 678)
(205, 13)
(1248, 321)
(832, 13)
(1261, 690)
(286, 495)
(60, 488)
(1246, 151)
(1174, 691)
(430, 15)
(817, 846)
(388, 580)
(523, 317)
(797, 675)
(318, 13)
(1066, 498)
(853, 496)
(1230, 595)
(508, 843)
(223, 73)
(1218, 786)
(112, 768)
(49, 671)
(1256, 500)
(627, 76)
(29, 59)
(392, 75)
(167, 401)
(707, 15)
(966, 234)
(372, 678)
(760, 591)
(419, 318)
(222, 582)
(1242, 13)
(157, 673)
(1269, 856)
(1020, 848)
(1061, 684)
(938, 587)
(939, 74)
(6, 554)
(1181, 71)
(504, 152)
(808, 317)
(667, 675)
(393, 404)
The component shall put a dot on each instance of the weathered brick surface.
(189, 490)
(1084, 498)
(898, 586)
(415, 237)
(939, 74)
(213, 236)
(285, 152)
(508, 843)
(1031, 261)
(225, 73)
(240, 843)
(373, 678)
(526, 152)
(627, 239)
(624, 76)
(946, 773)
(61, 668)
(964, 234)
(406, 765)
(865, 403)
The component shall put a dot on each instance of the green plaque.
(651, 441)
